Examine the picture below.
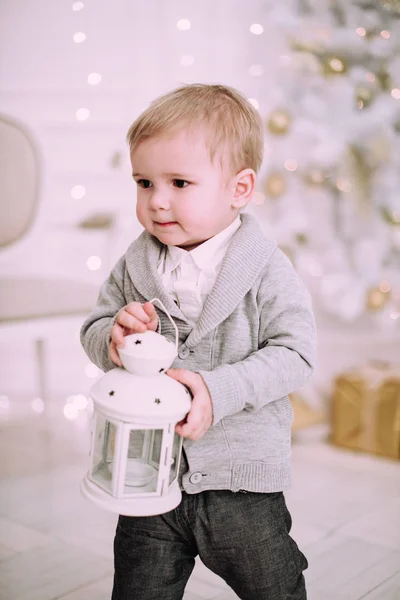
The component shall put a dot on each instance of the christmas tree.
(330, 187)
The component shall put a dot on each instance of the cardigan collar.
(249, 253)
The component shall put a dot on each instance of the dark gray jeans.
(242, 537)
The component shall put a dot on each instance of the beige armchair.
(28, 301)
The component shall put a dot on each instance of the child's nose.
(159, 199)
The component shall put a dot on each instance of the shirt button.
(195, 478)
(183, 352)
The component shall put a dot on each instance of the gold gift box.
(365, 411)
(304, 415)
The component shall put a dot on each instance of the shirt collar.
(207, 253)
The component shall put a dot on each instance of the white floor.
(54, 545)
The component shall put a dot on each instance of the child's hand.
(132, 318)
(200, 416)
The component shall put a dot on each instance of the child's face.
(183, 198)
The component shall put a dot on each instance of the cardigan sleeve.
(96, 330)
(287, 346)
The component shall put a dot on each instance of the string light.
(79, 37)
(291, 164)
(78, 192)
(93, 263)
(70, 412)
(254, 102)
(82, 114)
(395, 93)
(37, 405)
(94, 78)
(385, 286)
(385, 34)
(187, 60)
(336, 65)
(343, 185)
(361, 31)
(77, 6)
(91, 371)
(256, 28)
(183, 24)
(256, 70)
(80, 401)
(370, 77)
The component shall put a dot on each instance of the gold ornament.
(100, 220)
(392, 6)
(391, 216)
(274, 185)
(372, 32)
(289, 252)
(360, 173)
(334, 65)
(364, 94)
(378, 150)
(302, 239)
(279, 122)
(384, 80)
(376, 299)
(305, 62)
(307, 46)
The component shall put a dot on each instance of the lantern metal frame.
(163, 493)
(119, 470)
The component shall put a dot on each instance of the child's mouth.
(168, 224)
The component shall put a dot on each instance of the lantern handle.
(170, 318)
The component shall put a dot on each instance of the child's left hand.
(200, 416)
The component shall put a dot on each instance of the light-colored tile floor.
(54, 545)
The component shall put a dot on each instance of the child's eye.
(144, 183)
(180, 183)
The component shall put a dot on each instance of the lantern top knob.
(149, 353)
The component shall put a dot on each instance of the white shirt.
(189, 276)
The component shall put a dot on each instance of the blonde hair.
(231, 122)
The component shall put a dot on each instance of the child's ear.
(243, 186)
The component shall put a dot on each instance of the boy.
(247, 340)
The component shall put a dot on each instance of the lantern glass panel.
(103, 451)
(176, 450)
(142, 466)
(155, 445)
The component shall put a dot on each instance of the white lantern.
(135, 451)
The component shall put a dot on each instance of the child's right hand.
(132, 318)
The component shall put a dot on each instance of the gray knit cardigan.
(254, 343)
